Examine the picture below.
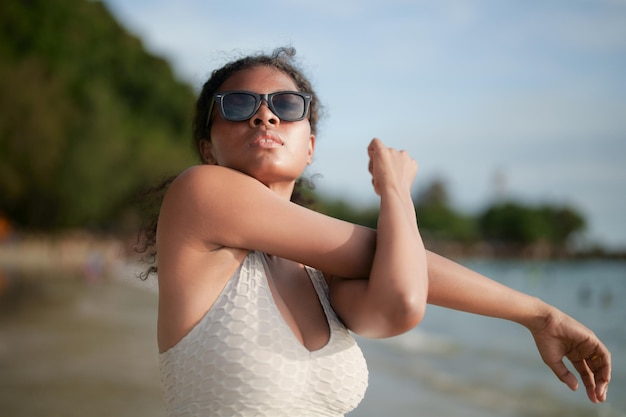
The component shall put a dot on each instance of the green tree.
(436, 217)
(87, 117)
(565, 223)
(514, 223)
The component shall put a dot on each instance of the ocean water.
(458, 364)
(71, 346)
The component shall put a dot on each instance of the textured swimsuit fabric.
(242, 359)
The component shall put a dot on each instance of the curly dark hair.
(282, 59)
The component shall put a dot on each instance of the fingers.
(598, 366)
(390, 167)
(594, 371)
(374, 144)
(593, 381)
(587, 377)
(561, 372)
(373, 151)
(378, 150)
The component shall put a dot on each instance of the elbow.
(404, 314)
(391, 319)
(409, 312)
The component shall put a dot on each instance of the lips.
(266, 141)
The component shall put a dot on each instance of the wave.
(443, 374)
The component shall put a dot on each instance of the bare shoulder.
(221, 207)
(202, 202)
(203, 181)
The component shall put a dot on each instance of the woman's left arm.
(393, 299)
(556, 334)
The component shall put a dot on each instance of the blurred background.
(515, 112)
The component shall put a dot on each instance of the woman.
(247, 278)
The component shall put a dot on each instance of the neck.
(284, 190)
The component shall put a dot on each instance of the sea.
(76, 345)
(459, 364)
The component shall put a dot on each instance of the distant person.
(257, 294)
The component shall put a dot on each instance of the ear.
(206, 151)
(311, 149)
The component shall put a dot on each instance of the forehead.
(259, 80)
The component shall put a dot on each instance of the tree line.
(507, 226)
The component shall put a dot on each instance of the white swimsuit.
(242, 359)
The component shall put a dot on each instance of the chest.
(245, 356)
(298, 301)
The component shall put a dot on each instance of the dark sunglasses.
(237, 106)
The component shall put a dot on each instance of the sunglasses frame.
(258, 99)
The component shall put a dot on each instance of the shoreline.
(102, 255)
(82, 252)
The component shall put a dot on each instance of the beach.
(76, 344)
(72, 347)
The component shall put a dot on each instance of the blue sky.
(530, 92)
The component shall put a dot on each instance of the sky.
(499, 99)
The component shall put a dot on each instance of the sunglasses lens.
(289, 106)
(238, 106)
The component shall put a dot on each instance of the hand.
(390, 167)
(562, 336)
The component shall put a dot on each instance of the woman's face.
(273, 151)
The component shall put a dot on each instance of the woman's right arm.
(209, 207)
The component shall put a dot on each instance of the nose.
(265, 116)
